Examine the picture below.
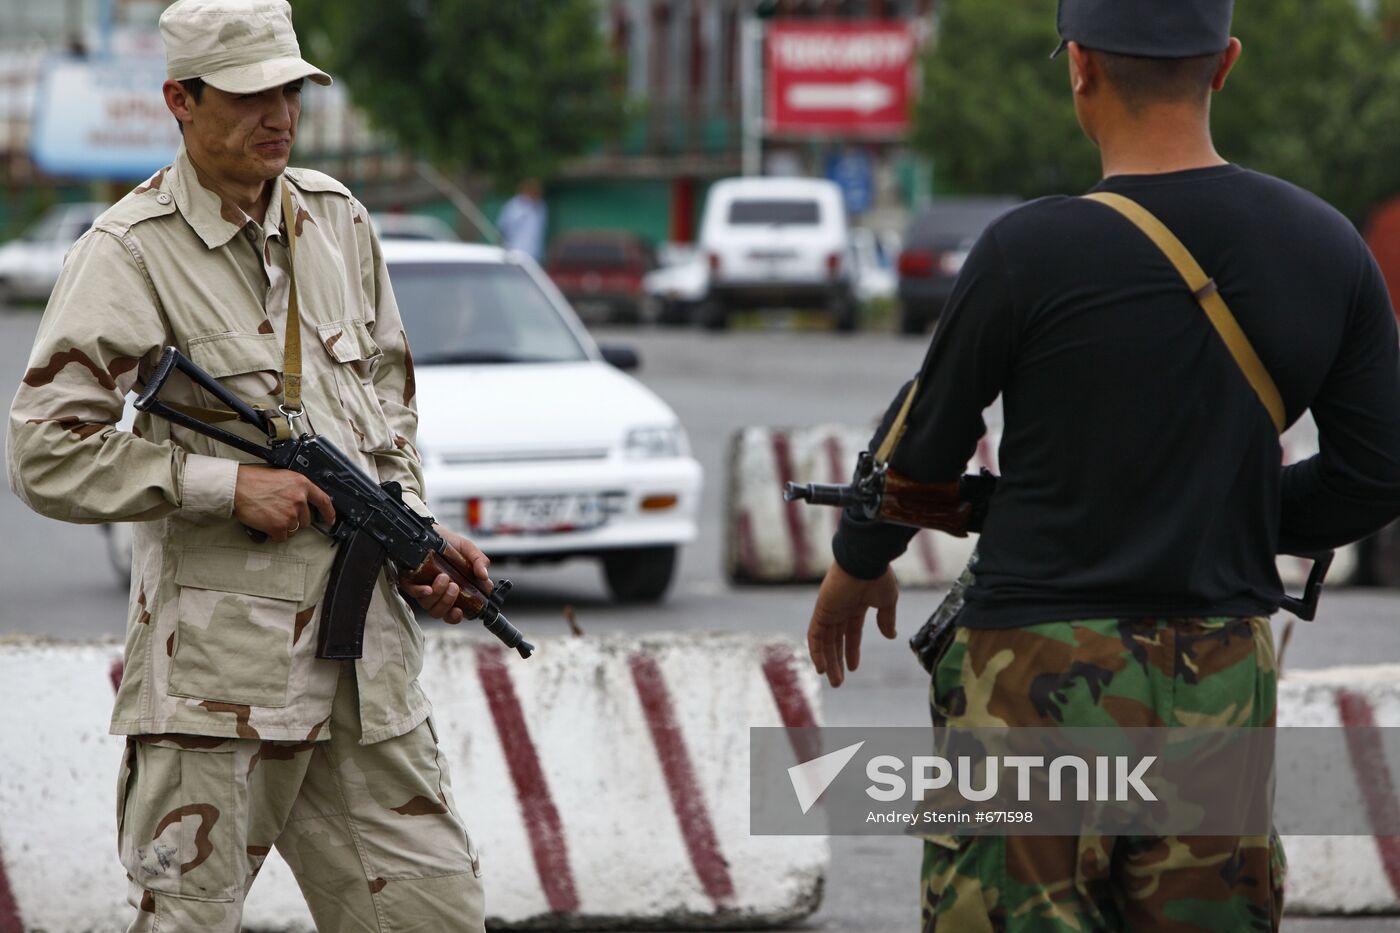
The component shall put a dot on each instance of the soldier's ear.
(180, 102)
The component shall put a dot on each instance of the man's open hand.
(278, 502)
(437, 600)
(833, 636)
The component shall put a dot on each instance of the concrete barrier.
(605, 781)
(768, 540)
(1346, 874)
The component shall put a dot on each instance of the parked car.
(873, 258)
(534, 441)
(421, 227)
(934, 250)
(30, 263)
(601, 272)
(677, 290)
(776, 242)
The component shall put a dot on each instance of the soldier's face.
(244, 139)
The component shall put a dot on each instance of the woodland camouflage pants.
(1111, 672)
(370, 831)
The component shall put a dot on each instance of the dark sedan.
(934, 250)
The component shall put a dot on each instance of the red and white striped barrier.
(768, 540)
(606, 782)
(1347, 874)
(772, 541)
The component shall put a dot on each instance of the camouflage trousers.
(1101, 673)
(370, 832)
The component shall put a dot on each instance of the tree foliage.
(503, 89)
(1314, 99)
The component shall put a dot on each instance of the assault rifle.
(372, 522)
(878, 493)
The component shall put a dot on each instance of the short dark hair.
(1141, 82)
(194, 87)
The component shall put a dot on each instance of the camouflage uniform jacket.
(221, 631)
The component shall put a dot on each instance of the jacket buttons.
(163, 198)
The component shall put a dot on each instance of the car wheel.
(845, 312)
(713, 314)
(639, 575)
(911, 323)
(1382, 554)
(673, 314)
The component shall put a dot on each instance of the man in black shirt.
(1141, 485)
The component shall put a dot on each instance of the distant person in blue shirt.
(523, 219)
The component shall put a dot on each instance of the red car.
(600, 272)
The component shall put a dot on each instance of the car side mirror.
(622, 356)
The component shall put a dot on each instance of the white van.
(776, 242)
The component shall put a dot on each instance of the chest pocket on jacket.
(249, 366)
(237, 616)
(354, 359)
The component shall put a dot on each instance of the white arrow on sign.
(865, 96)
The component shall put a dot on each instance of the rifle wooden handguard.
(924, 505)
(470, 599)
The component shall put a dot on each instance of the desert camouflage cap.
(239, 46)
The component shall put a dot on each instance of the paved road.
(54, 578)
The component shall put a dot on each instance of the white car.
(534, 444)
(421, 227)
(30, 263)
(676, 290)
(534, 441)
(777, 242)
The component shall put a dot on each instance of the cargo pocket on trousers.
(355, 356)
(177, 826)
(237, 615)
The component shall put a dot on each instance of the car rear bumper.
(779, 294)
(627, 526)
(926, 292)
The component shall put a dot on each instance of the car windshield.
(470, 312)
(774, 211)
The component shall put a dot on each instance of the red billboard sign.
(839, 79)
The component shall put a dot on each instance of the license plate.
(530, 515)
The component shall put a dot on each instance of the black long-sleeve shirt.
(1140, 473)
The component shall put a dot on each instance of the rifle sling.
(1207, 295)
(291, 351)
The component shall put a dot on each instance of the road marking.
(547, 843)
(687, 799)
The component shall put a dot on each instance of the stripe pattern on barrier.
(547, 843)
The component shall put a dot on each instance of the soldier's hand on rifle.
(833, 636)
(278, 502)
(437, 600)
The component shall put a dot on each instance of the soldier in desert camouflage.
(239, 738)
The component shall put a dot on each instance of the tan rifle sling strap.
(291, 350)
(1203, 289)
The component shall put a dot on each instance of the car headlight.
(655, 442)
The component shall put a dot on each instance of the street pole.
(751, 94)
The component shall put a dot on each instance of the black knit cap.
(1146, 28)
